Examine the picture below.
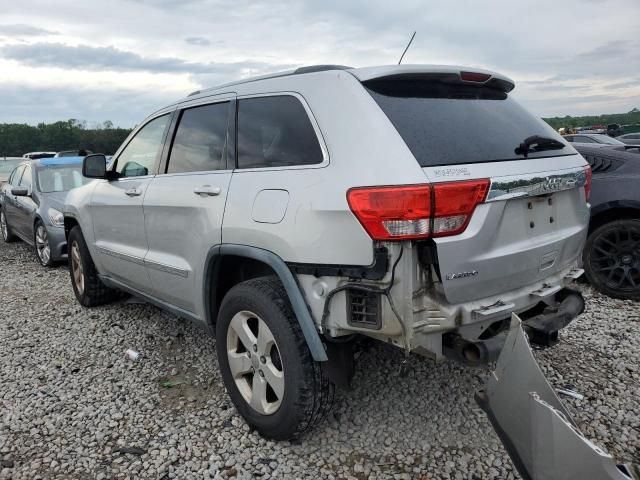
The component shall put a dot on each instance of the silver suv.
(416, 205)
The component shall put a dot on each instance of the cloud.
(621, 85)
(608, 51)
(84, 57)
(251, 37)
(199, 41)
(124, 107)
(21, 29)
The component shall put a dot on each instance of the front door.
(10, 205)
(184, 205)
(25, 207)
(116, 207)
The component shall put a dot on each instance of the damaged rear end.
(496, 224)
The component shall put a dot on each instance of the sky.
(119, 60)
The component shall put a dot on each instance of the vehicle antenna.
(405, 50)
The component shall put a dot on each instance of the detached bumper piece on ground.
(537, 431)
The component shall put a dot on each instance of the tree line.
(17, 139)
(629, 118)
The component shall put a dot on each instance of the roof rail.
(319, 68)
(298, 71)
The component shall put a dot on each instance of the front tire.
(87, 286)
(42, 245)
(5, 229)
(612, 259)
(266, 364)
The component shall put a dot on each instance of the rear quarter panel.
(362, 149)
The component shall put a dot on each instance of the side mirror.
(20, 191)
(94, 166)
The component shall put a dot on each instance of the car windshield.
(7, 166)
(60, 178)
(608, 140)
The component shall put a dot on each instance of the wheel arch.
(611, 211)
(38, 218)
(228, 264)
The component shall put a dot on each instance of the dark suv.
(612, 253)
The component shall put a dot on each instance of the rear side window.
(200, 140)
(447, 124)
(275, 132)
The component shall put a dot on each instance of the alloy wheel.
(3, 226)
(615, 258)
(255, 362)
(42, 245)
(76, 267)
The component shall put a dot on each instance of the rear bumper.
(542, 328)
(536, 429)
(470, 319)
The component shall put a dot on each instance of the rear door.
(116, 206)
(533, 222)
(184, 204)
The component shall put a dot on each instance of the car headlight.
(56, 217)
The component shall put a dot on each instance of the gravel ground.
(72, 406)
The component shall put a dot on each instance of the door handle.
(134, 192)
(207, 190)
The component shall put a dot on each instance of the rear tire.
(87, 286)
(253, 314)
(611, 259)
(7, 234)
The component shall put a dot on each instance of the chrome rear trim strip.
(541, 183)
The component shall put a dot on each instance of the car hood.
(54, 200)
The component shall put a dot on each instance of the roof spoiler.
(445, 74)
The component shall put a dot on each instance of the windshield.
(447, 124)
(608, 140)
(60, 179)
(7, 166)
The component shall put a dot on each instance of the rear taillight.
(455, 203)
(391, 213)
(417, 211)
(587, 183)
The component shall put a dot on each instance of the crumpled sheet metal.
(536, 429)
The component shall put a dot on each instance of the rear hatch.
(460, 127)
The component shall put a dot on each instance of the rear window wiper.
(536, 143)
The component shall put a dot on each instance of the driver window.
(15, 176)
(139, 157)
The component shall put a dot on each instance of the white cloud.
(567, 57)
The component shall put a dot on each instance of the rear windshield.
(445, 124)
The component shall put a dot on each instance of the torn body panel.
(536, 429)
